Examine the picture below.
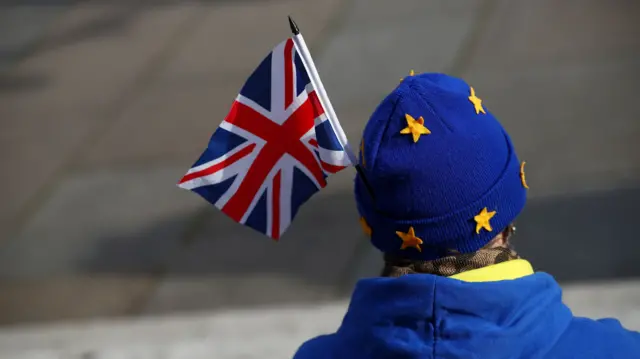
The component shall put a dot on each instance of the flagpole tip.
(294, 26)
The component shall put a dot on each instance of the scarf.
(449, 265)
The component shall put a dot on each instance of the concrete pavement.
(117, 100)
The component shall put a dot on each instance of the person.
(439, 190)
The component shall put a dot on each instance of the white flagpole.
(322, 94)
(326, 103)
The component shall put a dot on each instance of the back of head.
(444, 174)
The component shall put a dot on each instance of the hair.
(394, 264)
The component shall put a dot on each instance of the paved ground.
(103, 106)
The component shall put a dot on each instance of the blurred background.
(104, 105)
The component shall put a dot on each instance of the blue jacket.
(426, 316)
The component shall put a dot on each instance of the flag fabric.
(274, 149)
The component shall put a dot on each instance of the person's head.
(443, 172)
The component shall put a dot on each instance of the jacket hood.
(426, 316)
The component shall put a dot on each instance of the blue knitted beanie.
(444, 174)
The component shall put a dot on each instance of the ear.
(500, 240)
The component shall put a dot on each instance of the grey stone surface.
(68, 91)
(227, 265)
(583, 237)
(229, 291)
(233, 39)
(103, 222)
(96, 54)
(33, 147)
(382, 41)
(78, 297)
(520, 34)
(21, 28)
(170, 123)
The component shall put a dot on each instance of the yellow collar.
(512, 269)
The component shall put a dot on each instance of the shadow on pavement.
(317, 249)
(117, 2)
(576, 238)
(11, 82)
(113, 22)
(588, 237)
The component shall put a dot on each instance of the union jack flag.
(274, 149)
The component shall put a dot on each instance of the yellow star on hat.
(365, 226)
(409, 239)
(482, 220)
(411, 73)
(415, 127)
(476, 101)
(523, 178)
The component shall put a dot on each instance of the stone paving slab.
(32, 145)
(171, 123)
(72, 82)
(233, 39)
(188, 294)
(103, 222)
(597, 230)
(382, 41)
(79, 297)
(370, 15)
(21, 28)
(78, 57)
(227, 265)
(523, 33)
